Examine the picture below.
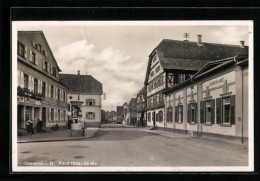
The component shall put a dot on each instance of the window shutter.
(87, 115)
(43, 63)
(56, 93)
(30, 55)
(212, 111)
(46, 89)
(22, 80)
(55, 114)
(48, 67)
(195, 107)
(51, 69)
(176, 113)
(181, 113)
(25, 52)
(218, 110)
(202, 108)
(39, 86)
(189, 113)
(49, 114)
(87, 102)
(94, 102)
(94, 115)
(232, 109)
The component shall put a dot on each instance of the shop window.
(64, 115)
(90, 115)
(169, 114)
(160, 116)
(21, 49)
(192, 113)
(52, 114)
(26, 81)
(58, 115)
(149, 117)
(35, 85)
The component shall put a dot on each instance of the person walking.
(29, 126)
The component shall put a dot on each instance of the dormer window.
(45, 65)
(54, 71)
(181, 78)
(39, 47)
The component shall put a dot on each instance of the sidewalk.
(61, 135)
(218, 144)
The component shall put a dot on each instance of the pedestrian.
(29, 126)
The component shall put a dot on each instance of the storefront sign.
(221, 80)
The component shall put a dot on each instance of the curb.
(35, 141)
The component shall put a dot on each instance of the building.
(173, 62)
(213, 103)
(120, 114)
(84, 97)
(130, 112)
(141, 107)
(40, 95)
(125, 110)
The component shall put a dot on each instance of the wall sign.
(221, 80)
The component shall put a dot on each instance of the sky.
(117, 54)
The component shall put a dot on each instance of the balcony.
(24, 92)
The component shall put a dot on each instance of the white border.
(17, 24)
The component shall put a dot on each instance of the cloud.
(121, 76)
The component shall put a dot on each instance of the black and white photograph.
(132, 96)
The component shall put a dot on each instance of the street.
(125, 146)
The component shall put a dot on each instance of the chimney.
(78, 72)
(199, 41)
(242, 44)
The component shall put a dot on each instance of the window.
(52, 114)
(58, 115)
(64, 96)
(154, 58)
(90, 115)
(160, 116)
(54, 71)
(181, 78)
(35, 85)
(160, 98)
(90, 102)
(169, 114)
(33, 58)
(154, 99)
(58, 94)
(179, 114)
(39, 47)
(52, 91)
(226, 110)
(192, 113)
(21, 49)
(157, 68)
(64, 115)
(152, 73)
(26, 81)
(209, 111)
(43, 88)
(45, 65)
(157, 117)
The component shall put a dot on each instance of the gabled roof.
(44, 38)
(186, 55)
(81, 83)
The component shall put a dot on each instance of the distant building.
(120, 114)
(130, 112)
(40, 95)
(141, 107)
(84, 97)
